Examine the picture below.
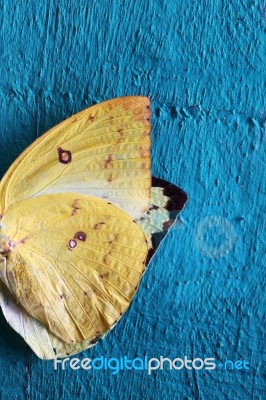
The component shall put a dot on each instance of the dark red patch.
(120, 137)
(108, 161)
(145, 165)
(126, 106)
(95, 340)
(144, 152)
(105, 275)
(65, 156)
(75, 207)
(22, 241)
(81, 236)
(99, 225)
(110, 178)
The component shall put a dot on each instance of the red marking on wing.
(144, 151)
(75, 207)
(108, 161)
(65, 156)
(110, 177)
(98, 225)
(81, 236)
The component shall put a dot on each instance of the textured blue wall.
(202, 64)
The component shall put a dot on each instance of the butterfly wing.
(167, 201)
(103, 151)
(121, 127)
(73, 263)
(33, 332)
(44, 343)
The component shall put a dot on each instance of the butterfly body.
(77, 234)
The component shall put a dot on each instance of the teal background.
(203, 65)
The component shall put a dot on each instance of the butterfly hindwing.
(73, 262)
(167, 200)
(43, 342)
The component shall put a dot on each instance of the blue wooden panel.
(203, 64)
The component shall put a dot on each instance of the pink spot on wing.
(72, 244)
(65, 156)
(81, 236)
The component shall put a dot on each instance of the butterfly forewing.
(103, 151)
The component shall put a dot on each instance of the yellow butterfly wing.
(73, 262)
(120, 125)
(103, 151)
(166, 202)
(43, 342)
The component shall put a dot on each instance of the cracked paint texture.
(203, 64)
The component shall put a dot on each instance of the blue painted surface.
(202, 64)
